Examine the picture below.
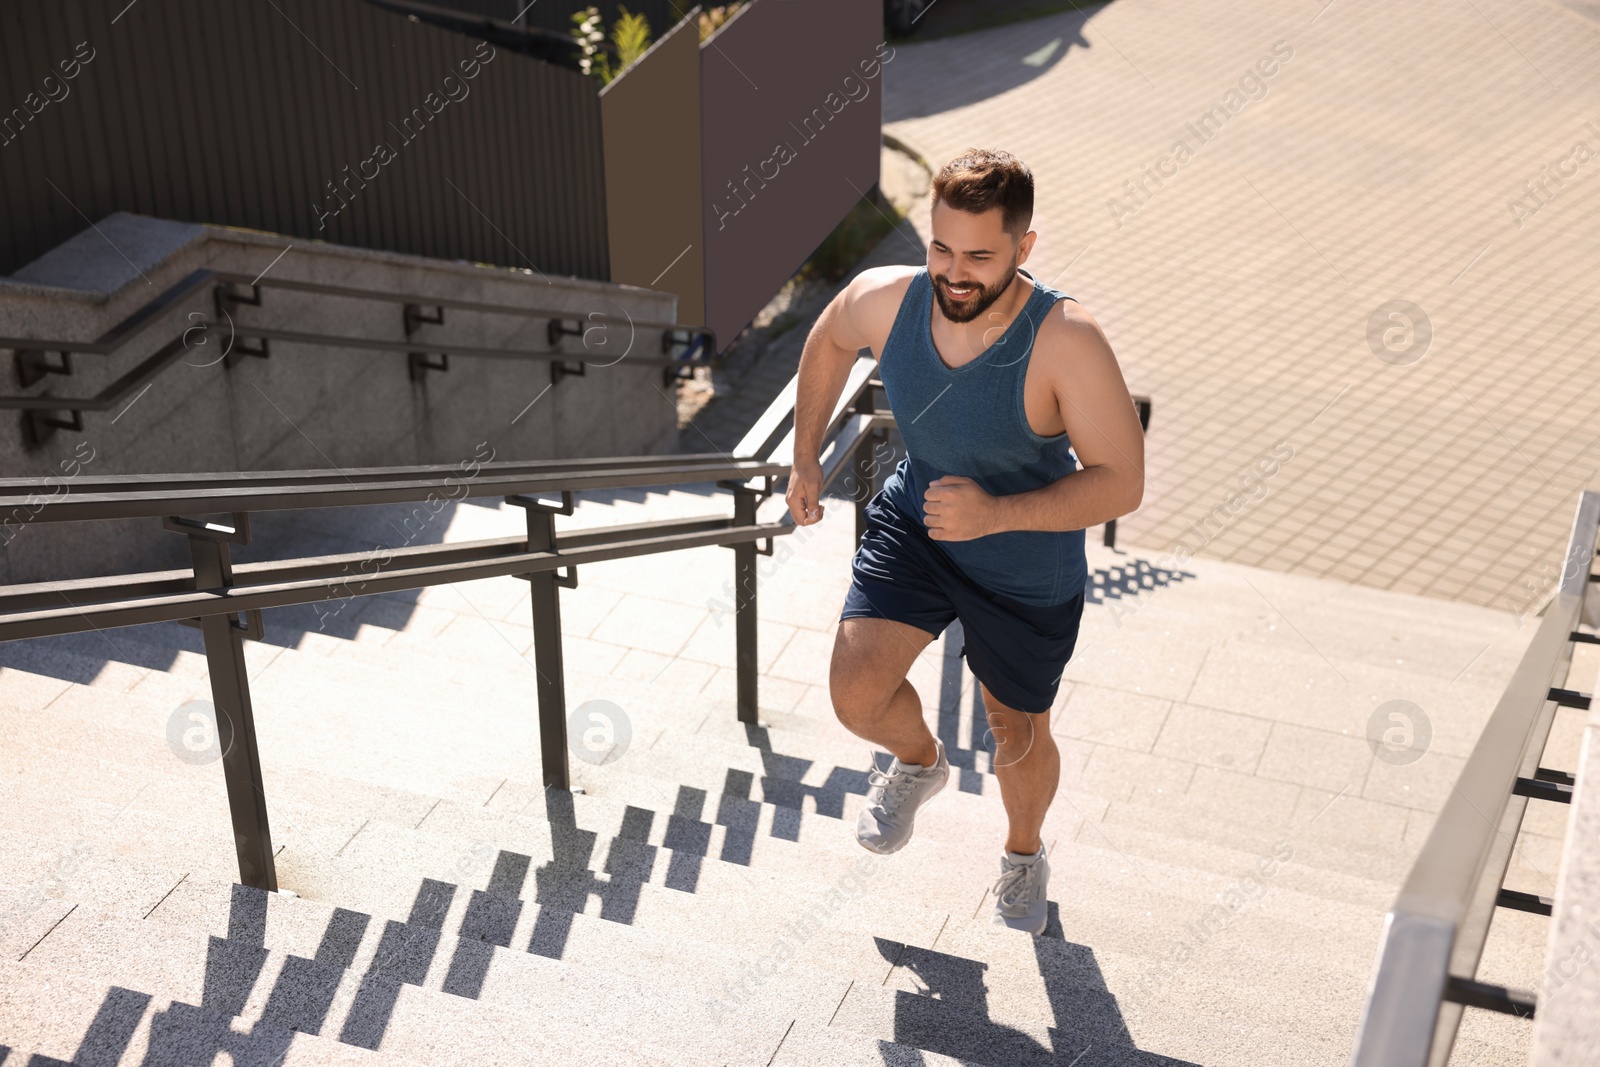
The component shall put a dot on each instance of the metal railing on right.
(1434, 934)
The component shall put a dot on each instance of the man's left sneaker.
(1019, 901)
(893, 797)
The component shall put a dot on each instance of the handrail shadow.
(946, 1011)
(1130, 580)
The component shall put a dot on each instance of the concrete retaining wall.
(305, 407)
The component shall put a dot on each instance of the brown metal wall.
(239, 113)
(791, 125)
(652, 141)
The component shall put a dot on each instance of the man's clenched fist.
(804, 493)
(958, 509)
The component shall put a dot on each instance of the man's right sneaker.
(1019, 894)
(893, 797)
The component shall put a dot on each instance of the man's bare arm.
(831, 349)
(839, 334)
(1103, 427)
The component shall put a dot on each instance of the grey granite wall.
(305, 406)
(1567, 1026)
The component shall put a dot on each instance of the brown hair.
(982, 178)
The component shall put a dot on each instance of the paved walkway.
(1248, 292)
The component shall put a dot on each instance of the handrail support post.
(230, 695)
(545, 596)
(1141, 405)
(747, 674)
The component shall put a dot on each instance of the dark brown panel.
(240, 113)
(791, 114)
(651, 121)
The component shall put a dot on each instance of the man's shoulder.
(890, 277)
(875, 297)
(1069, 334)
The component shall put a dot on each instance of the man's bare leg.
(1028, 765)
(871, 696)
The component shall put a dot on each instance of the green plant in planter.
(630, 39)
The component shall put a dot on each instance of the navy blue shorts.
(1018, 650)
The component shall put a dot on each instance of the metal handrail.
(155, 496)
(1433, 935)
(328, 578)
(225, 285)
(226, 600)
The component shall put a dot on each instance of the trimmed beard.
(976, 304)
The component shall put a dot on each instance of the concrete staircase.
(1224, 844)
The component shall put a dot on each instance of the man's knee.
(1015, 735)
(860, 694)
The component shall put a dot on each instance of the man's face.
(971, 260)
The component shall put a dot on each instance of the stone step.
(997, 961)
(74, 720)
(56, 1015)
(1087, 918)
(1234, 968)
(162, 819)
(986, 805)
(1377, 866)
(937, 879)
(1352, 822)
(839, 793)
(808, 1044)
(663, 938)
(946, 941)
(424, 761)
(336, 834)
(1133, 844)
(543, 1009)
(336, 827)
(90, 744)
(965, 818)
(583, 941)
(618, 879)
(1195, 818)
(1100, 916)
(380, 886)
(847, 749)
(1210, 1023)
(424, 665)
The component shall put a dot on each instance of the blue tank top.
(970, 420)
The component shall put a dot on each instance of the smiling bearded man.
(995, 380)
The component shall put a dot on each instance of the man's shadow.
(942, 1006)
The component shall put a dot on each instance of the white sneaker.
(893, 797)
(1019, 901)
